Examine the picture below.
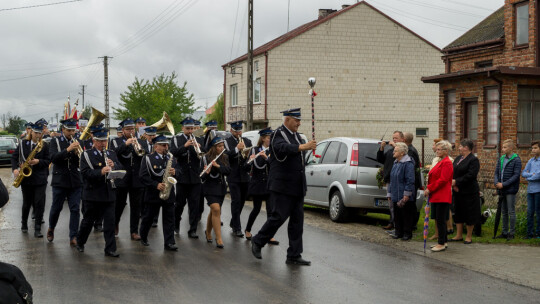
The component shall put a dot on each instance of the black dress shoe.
(80, 248)
(192, 235)
(112, 254)
(256, 250)
(273, 242)
(406, 238)
(37, 233)
(238, 233)
(24, 228)
(298, 261)
(171, 247)
(145, 242)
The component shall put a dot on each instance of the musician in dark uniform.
(66, 179)
(188, 167)
(119, 131)
(257, 166)
(27, 131)
(216, 167)
(201, 141)
(45, 133)
(89, 143)
(210, 125)
(150, 134)
(98, 192)
(33, 187)
(139, 123)
(152, 170)
(127, 151)
(238, 180)
(287, 185)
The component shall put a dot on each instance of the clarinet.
(104, 151)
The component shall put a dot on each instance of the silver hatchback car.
(344, 177)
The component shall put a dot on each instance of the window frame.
(532, 102)
(516, 6)
(257, 82)
(447, 104)
(234, 101)
(465, 113)
(487, 102)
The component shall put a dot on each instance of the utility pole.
(83, 86)
(56, 117)
(249, 108)
(106, 88)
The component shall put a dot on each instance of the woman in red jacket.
(439, 191)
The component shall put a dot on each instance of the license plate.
(381, 203)
(3, 151)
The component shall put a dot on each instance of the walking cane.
(311, 82)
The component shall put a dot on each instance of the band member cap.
(119, 129)
(70, 123)
(128, 122)
(37, 127)
(140, 119)
(160, 139)
(216, 140)
(92, 129)
(265, 131)
(293, 113)
(236, 125)
(28, 125)
(100, 134)
(42, 121)
(188, 122)
(197, 122)
(211, 123)
(150, 130)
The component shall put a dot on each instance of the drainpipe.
(266, 86)
(224, 98)
(499, 135)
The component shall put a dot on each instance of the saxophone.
(168, 180)
(26, 168)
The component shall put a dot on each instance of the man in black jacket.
(238, 179)
(387, 159)
(287, 185)
(188, 166)
(33, 187)
(413, 153)
(98, 191)
(66, 180)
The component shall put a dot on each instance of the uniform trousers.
(238, 199)
(284, 207)
(135, 198)
(92, 211)
(257, 204)
(73, 196)
(201, 205)
(33, 197)
(190, 194)
(167, 220)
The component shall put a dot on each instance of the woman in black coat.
(214, 187)
(466, 193)
(258, 183)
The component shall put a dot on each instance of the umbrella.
(498, 214)
(426, 223)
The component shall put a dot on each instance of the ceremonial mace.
(311, 82)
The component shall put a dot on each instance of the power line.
(468, 5)
(441, 8)
(38, 5)
(43, 74)
(234, 31)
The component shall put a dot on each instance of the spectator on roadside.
(466, 191)
(448, 218)
(413, 153)
(387, 159)
(532, 174)
(401, 192)
(507, 173)
(439, 191)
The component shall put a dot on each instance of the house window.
(257, 91)
(484, 64)
(451, 116)
(528, 124)
(234, 95)
(492, 117)
(522, 23)
(422, 132)
(256, 65)
(471, 118)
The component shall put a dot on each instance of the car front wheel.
(338, 211)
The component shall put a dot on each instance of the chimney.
(344, 6)
(323, 12)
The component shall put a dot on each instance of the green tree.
(149, 100)
(15, 124)
(217, 114)
(87, 112)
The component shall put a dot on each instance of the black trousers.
(284, 207)
(33, 197)
(257, 204)
(238, 199)
(135, 199)
(92, 211)
(403, 218)
(441, 216)
(167, 219)
(190, 194)
(201, 205)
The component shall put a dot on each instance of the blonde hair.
(436, 140)
(510, 143)
(445, 145)
(402, 147)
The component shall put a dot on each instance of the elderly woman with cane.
(402, 192)
(439, 191)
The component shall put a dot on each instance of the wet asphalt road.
(344, 270)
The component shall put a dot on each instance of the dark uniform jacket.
(14, 288)
(40, 172)
(258, 172)
(466, 174)
(214, 183)
(287, 172)
(130, 161)
(66, 171)
(238, 174)
(96, 186)
(188, 164)
(88, 144)
(151, 173)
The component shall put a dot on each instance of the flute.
(251, 160)
(209, 166)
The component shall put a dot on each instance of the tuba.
(95, 119)
(164, 123)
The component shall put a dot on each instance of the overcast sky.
(151, 37)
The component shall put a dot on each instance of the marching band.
(157, 173)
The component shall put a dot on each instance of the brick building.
(490, 90)
(368, 69)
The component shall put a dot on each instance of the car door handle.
(329, 172)
(311, 173)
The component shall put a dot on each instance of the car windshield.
(6, 143)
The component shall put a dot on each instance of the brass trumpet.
(137, 147)
(245, 152)
(196, 146)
